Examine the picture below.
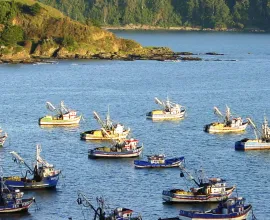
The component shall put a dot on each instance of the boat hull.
(89, 135)
(189, 197)
(211, 128)
(126, 154)
(28, 184)
(189, 215)
(169, 163)
(58, 122)
(247, 144)
(13, 208)
(165, 116)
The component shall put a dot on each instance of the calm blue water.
(129, 89)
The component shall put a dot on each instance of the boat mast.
(63, 108)
(39, 159)
(82, 199)
(265, 130)
(108, 119)
(228, 114)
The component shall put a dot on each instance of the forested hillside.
(166, 13)
(32, 30)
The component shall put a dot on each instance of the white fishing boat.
(262, 141)
(63, 116)
(109, 130)
(123, 149)
(229, 124)
(170, 111)
(3, 137)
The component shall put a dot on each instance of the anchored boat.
(170, 111)
(232, 209)
(109, 130)
(12, 200)
(122, 149)
(228, 125)
(207, 190)
(262, 141)
(102, 212)
(3, 137)
(158, 161)
(43, 175)
(63, 116)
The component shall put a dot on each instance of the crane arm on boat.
(183, 170)
(51, 107)
(18, 158)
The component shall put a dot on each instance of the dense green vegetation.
(29, 29)
(166, 13)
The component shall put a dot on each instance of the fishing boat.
(232, 209)
(63, 116)
(206, 190)
(3, 137)
(170, 111)
(158, 161)
(109, 130)
(11, 200)
(228, 125)
(262, 141)
(123, 149)
(43, 174)
(103, 212)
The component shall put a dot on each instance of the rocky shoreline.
(180, 28)
(173, 56)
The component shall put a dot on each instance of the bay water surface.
(240, 79)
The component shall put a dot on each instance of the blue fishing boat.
(102, 212)
(262, 141)
(43, 175)
(12, 200)
(123, 149)
(158, 161)
(232, 209)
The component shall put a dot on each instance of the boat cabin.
(123, 213)
(131, 144)
(119, 129)
(156, 159)
(70, 115)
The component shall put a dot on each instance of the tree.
(12, 34)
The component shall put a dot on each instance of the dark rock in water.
(184, 53)
(190, 58)
(175, 218)
(214, 53)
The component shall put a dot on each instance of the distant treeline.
(167, 13)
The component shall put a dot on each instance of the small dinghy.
(158, 161)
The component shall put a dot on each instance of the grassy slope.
(50, 10)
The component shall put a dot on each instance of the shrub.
(12, 34)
